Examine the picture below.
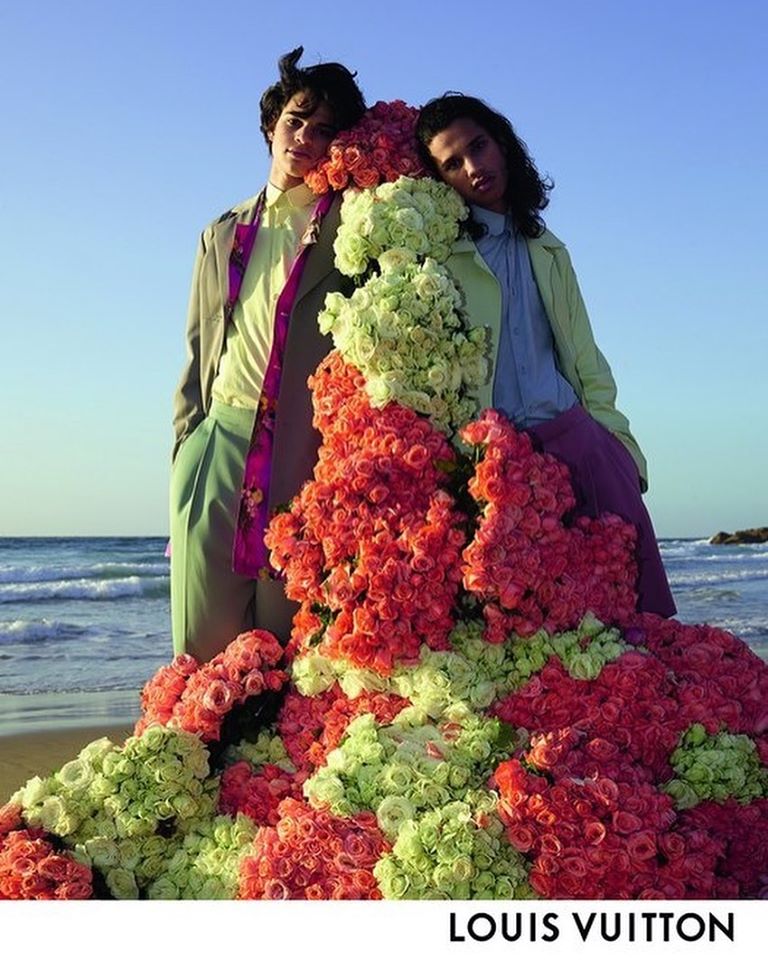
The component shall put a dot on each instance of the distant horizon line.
(165, 536)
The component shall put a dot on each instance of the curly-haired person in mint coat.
(261, 275)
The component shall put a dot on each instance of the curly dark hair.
(329, 82)
(527, 190)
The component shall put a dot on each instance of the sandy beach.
(23, 755)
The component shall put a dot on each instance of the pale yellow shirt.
(243, 364)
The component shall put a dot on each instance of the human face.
(472, 162)
(299, 142)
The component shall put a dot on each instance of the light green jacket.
(578, 357)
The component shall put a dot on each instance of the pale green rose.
(313, 674)
(128, 852)
(192, 890)
(392, 812)
(355, 681)
(484, 883)
(122, 884)
(185, 806)
(75, 776)
(441, 774)
(100, 787)
(394, 883)
(433, 794)
(154, 846)
(442, 877)
(458, 777)
(98, 825)
(352, 253)
(507, 889)
(326, 789)
(132, 789)
(35, 791)
(153, 867)
(590, 626)
(682, 793)
(397, 777)
(429, 834)
(409, 845)
(462, 869)
(411, 220)
(695, 735)
(222, 830)
(110, 763)
(54, 816)
(95, 751)
(699, 773)
(396, 259)
(584, 666)
(213, 889)
(378, 392)
(178, 864)
(174, 771)
(163, 889)
(104, 852)
(482, 694)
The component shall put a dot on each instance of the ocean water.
(86, 621)
(82, 614)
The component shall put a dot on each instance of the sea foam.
(84, 589)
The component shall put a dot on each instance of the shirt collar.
(298, 196)
(495, 223)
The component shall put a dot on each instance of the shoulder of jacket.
(234, 213)
(548, 240)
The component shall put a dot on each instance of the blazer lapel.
(224, 237)
(320, 258)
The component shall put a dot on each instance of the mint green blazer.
(578, 357)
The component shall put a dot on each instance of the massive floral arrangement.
(469, 707)
(381, 147)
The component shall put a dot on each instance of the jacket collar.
(546, 242)
(319, 262)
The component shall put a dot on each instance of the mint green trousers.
(211, 605)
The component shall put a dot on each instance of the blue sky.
(129, 126)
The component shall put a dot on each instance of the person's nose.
(471, 168)
(304, 135)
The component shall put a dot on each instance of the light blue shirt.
(527, 386)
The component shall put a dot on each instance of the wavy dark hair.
(527, 190)
(331, 83)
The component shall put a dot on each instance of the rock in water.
(754, 535)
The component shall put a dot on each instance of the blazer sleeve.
(594, 372)
(188, 401)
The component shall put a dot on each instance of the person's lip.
(298, 154)
(482, 183)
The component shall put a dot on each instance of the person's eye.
(450, 165)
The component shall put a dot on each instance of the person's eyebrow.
(300, 115)
(472, 143)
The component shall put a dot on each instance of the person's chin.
(301, 162)
(488, 201)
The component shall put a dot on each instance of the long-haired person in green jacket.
(549, 377)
